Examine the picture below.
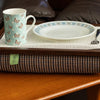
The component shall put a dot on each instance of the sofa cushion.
(1, 17)
(38, 8)
(82, 10)
(59, 4)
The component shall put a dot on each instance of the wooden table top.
(42, 86)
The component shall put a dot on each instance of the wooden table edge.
(71, 90)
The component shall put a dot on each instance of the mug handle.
(28, 17)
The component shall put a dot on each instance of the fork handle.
(98, 32)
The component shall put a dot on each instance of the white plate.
(64, 30)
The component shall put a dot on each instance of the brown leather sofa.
(48, 10)
(55, 5)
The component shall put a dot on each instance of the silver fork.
(96, 41)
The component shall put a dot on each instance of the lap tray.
(49, 56)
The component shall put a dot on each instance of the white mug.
(15, 21)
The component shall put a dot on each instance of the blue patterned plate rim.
(37, 29)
